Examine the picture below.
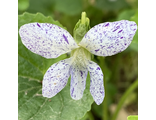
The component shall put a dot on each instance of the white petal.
(109, 38)
(47, 40)
(78, 81)
(56, 78)
(96, 82)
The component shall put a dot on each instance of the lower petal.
(56, 77)
(96, 82)
(78, 81)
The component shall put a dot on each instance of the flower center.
(80, 56)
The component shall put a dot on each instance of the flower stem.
(104, 104)
(105, 110)
(123, 98)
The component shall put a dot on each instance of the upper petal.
(109, 38)
(47, 40)
(56, 78)
(96, 82)
(78, 81)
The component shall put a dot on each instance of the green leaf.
(43, 6)
(111, 5)
(69, 7)
(47, 7)
(126, 14)
(31, 68)
(132, 117)
(134, 44)
(88, 116)
(135, 19)
(23, 4)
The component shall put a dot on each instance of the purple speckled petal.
(56, 77)
(96, 82)
(47, 40)
(109, 38)
(78, 81)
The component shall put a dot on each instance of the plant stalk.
(104, 104)
(123, 98)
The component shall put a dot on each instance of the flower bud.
(81, 27)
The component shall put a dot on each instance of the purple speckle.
(102, 92)
(114, 30)
(65, 38)
(72, 91)
(38, 25)
(81, 73)
(118, 27)
(98, 68)
(101, 40)
(107, 24)
(120, 31)
(97, 50)
(91, 68)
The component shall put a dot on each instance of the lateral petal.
(47, 40)
(109, 38)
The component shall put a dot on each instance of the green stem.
(104, 105)
(123, 98)
(105, 110)
(90, 115)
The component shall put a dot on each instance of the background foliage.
(120, 71)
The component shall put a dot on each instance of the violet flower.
(51, 41)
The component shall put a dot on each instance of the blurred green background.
(121, 70)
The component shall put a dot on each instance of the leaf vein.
(31, 63)
(62, 105)
(29, 99)
(28, 89)
(30, 78)
(39, 109)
